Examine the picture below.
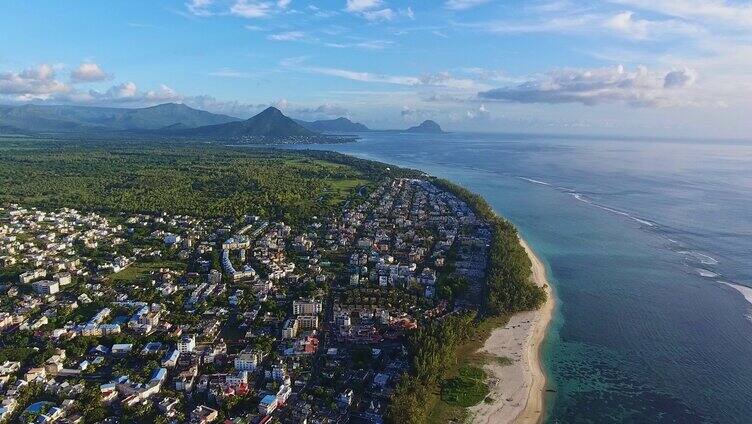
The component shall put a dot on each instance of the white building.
(187, 344)
(46, 287)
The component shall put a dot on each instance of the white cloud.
(362, 5)
(288, 36)
(640, 87)
(230, 73)
(626, 24)
(365, 76)
(199, 7)
(480, 113)
(88, 72)
(463, 4)
(252, 9)
(440, 80)
(738, 14)
(375, 10)
(379, 15)
(366, 44)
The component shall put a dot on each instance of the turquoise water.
(638, 237)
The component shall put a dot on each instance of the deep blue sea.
(639, 238)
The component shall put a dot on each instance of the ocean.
(641, 239)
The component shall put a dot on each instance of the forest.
(197, 179)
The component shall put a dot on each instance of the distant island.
(340, 124)
(426, 127)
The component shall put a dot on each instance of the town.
(111, 317)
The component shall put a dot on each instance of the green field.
(468, 388)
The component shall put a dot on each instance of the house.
(202, 414)
(121, 349)
(267, 405)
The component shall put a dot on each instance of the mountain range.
(271, 123)
(178, 120)
(62, 118)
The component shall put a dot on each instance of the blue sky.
(626, 67)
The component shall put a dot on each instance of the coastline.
(518, 390)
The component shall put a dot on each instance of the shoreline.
(518, 390)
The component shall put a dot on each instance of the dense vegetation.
(433, 350)
(509, 288)
(197, 179)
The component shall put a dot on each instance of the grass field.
(140, 271)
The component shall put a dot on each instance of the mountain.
(333, 125)
(426, 127)
(269, 124)
(63, 118)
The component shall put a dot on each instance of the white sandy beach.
(518, 389)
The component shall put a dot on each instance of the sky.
(665, 68)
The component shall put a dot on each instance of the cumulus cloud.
(32, 83)
(640, 87)
(680, 78)
(40, 84)
(88, 72)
